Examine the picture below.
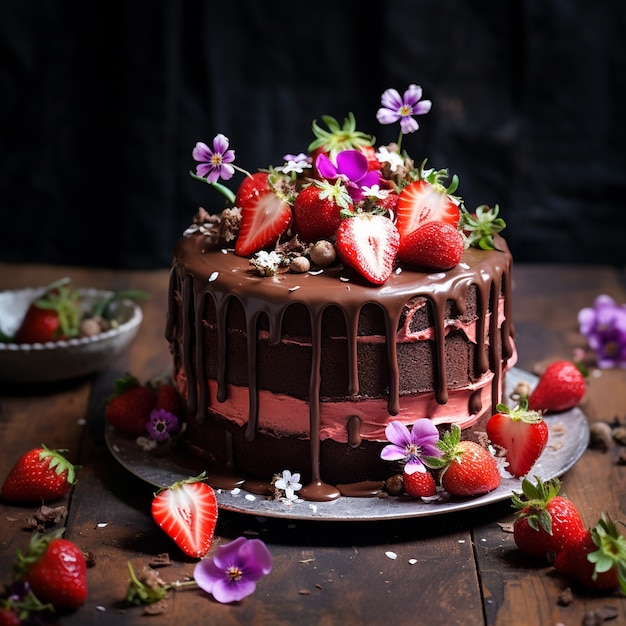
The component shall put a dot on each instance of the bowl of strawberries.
(60, 332)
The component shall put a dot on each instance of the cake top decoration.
(379, 212)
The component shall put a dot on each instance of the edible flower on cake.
(367, 202)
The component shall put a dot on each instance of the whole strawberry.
(546, 522)
(53, 316)
(128, 409)
(368, 243)
(434, 246)
(522, 433)
(468, 468)
(560, 388)
(419, 484)
(56, 570)
(317, 210)
(187, 513)
(39, 475)
(598, 559)
(168, 399)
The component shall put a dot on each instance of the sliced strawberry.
(251, 187)
(264, 218)
(419, 484)
(317, 210)
(434, 246)
(187, 513)
(522, 433)
(421, 202)
(368, 244)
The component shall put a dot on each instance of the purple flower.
(352, 168)
(214, 164)
(410, 446)
(396, 108)
(232, 573)
(161, 424)
(604, 326)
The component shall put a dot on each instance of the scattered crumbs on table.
(391, 555)
(102, 524)
(82, 421)
(100, 608)
(507, 527)
(461, 540)
(412, 561)
(254, 533)
(304, 592)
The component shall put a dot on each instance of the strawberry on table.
(128, 409)
(56, 570)
(522, 433)
(468, 468)
(545, 522)
(368, 243)
(560, 388)
(598, 559)
(53, 316)
(435, 246)
(317, 210)
(187, 513)
(39, 476)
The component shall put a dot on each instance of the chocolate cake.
(287, 369)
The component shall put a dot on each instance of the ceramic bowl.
(66, 359)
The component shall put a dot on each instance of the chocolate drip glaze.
(268, 298)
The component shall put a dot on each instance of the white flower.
(267, 263)
(289, 483)
(393, 158)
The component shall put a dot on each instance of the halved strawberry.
(368, 243)
(187, 512)
(421, 202)
(434, 246)
(264, 218)
(251, 187)
(522, 433)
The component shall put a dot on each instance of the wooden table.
(467, 569)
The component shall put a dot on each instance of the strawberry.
(187, 512)
(56, 571)
(264, 218)
(168, 399)
(560, 388)
(522, 433)
(598, 559)
(53, 316)
(317, 210)
(419, 484)
(546, 522)
(9, 617)
(39, 475)
(368, 243)
(434, 246)
(423, 201)
(251, 187)
(468, 468)
(128, 409)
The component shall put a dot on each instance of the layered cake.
(296, 352)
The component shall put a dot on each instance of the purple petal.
(422, 107)
(396, 432)
(220, 143)
(226, 591)
(326, 167)
(412, 95)
(408, 125)
(353, 164)
(391, 99)
(387, 116)
(257, 559)
(201, 152)
(392, 453)
(414, 465)
(424, 429)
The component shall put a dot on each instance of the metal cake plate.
(567, 440)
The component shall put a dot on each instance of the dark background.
(101, 103)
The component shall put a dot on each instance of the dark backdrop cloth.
(102, 102)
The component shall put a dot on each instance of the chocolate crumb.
(566, 597)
